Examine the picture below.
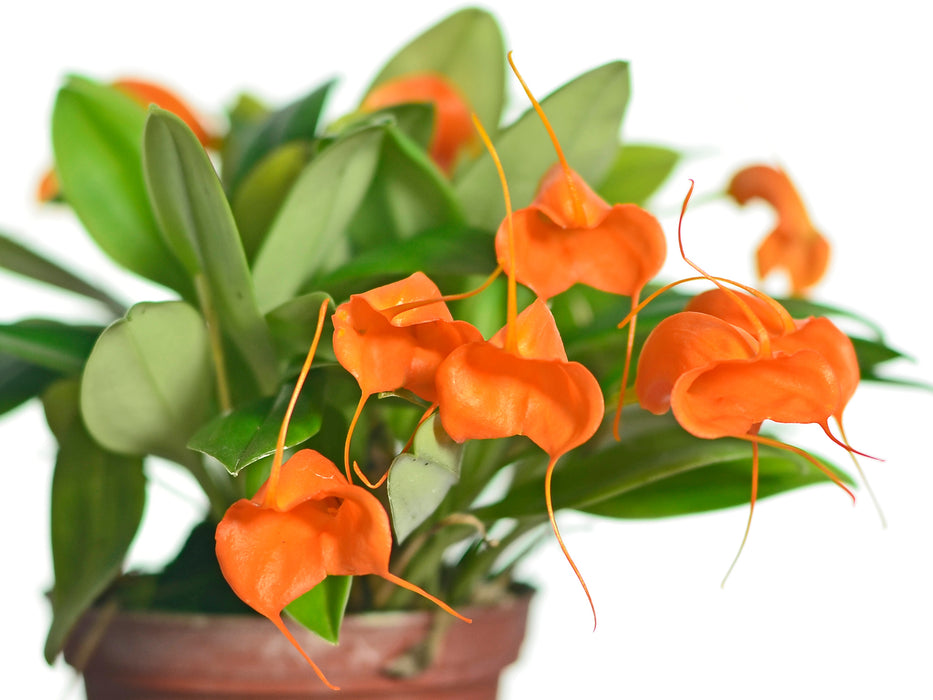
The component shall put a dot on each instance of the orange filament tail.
(277, 621)
(803, 453)
(862, 476)
(560, 540)
(389, 576)
(346, 445)
(283, 430)
(512, 302)
(630, 344)
(751, 511)
(401, 308)
(578, 211)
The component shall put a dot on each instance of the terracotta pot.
(149, 656)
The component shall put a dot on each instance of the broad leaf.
(307, 235)
(249, 433)
(21, 381)
(408, 195)
(321, 609)
(147, 383)
(419, 481)
(97, 141)
(97, 505)
(19, 259)
(586, 115)
(637, 172)
(56, 346)
(195, 217)
(297, 121)
(467, 48)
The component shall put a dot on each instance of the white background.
(824, 602)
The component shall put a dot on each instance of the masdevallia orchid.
(306, 522)
(394, 337)
(794, 244)
(453, 128)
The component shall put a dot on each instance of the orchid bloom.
(453, 128)
(731, 361)
(569, 235)
(145, 93)
(794, 244)
(305, 523)
(389, 338)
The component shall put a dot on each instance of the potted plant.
(450, 419)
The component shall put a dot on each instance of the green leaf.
(23, 261)
(195, 217)
(260, 195)
(321, 609)
(297, 121)
(653, 450)
(249, 433)
(21, 381)
(97, 141)
(419, 481)
(408, 195)
(56, 346)
(293, 323)
(97, 505)
(308, 234)
(467, 47)
(147, 383)
(637, 172)
(586, 115)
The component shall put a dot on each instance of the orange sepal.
(794, 244)
(617, 249)
(453, 125)
(147, 93)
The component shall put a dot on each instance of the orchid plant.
(473, 369)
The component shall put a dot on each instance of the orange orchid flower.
(305, 523)
(453, 128)
(145, 93)
(794, 244)
(388, 338)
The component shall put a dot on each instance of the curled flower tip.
(794, 245)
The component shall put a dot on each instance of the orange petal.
(147, 93)
(453, 126)
(721, 304)
(804, 256)
(774, 187)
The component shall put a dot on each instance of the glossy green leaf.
(297, 121)
(195, 218)
(419, 481)
(653, 450)
(586, 115)
(21, 381)
(97, 141)
(249, 433)
(408, 195)
(147, 383)
(467, 47)
(637, 172)
(97, 505)
(307, 235)
(56, 346)
(321, 609)
(260, 195)
(19, 259)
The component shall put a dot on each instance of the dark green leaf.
(249, 433)
(321, 609)
(586, 115)
(97, 505)
(467, 48)
(308, 233)
(419, 481)
(147, 383)
(97, 139)
(23, 261)
(50, 344)
(195, 217)
(21, 381)
(637, 172)
(298, 120)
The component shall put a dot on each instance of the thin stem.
(751, 511)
